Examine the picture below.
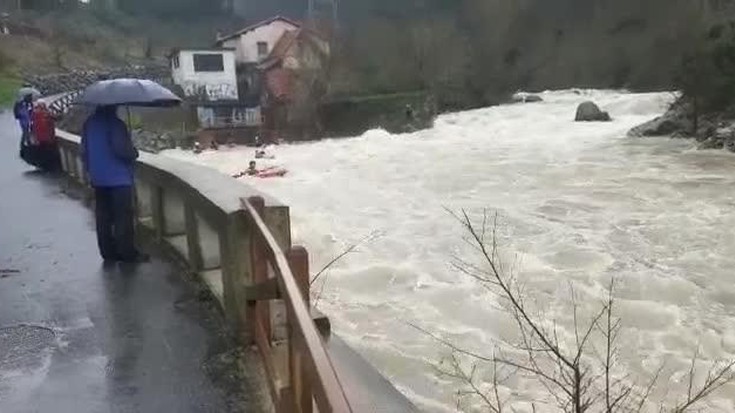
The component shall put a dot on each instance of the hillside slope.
(85, 38)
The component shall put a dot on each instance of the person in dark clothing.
(109, 156)
(23, 111)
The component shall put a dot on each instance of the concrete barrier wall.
(197, 213)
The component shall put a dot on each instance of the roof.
(257, 25)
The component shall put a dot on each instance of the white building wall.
(176, 71)
(247, 46)
(235, 44)
(217, 85)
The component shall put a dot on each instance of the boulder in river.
(590, 112)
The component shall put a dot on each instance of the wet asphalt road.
(76, 337)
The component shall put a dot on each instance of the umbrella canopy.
(128, 92)
(27, 90)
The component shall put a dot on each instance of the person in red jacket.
(43, 138)
(43, 126)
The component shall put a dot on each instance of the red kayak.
(273, 172)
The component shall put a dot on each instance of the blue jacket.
(107, 150)
(23, 113)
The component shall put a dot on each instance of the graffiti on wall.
(231, 116)
(210, 92)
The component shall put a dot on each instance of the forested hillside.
(470, 52)
(474, 51)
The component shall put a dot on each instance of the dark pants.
(25, 137)
(115, 222)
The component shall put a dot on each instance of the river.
(577, 204)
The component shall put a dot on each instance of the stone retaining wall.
(58, 83)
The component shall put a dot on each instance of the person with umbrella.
(109, 158)
(23, 112)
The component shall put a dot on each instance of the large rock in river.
(590, 112)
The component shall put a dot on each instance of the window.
(262, 49)
(176, 62)
(209, 63)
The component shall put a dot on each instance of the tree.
(171, 8)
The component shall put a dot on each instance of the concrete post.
(298, 260)
(236, 273)
(174, 214)
(259, 267)
(279, 223)
(192, 238)
(159, 223)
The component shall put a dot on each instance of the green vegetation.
(91, 36)
(396, 113)
(9, 81)
(707, 74)
(475, 52)
(9, 84)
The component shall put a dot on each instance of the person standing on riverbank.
(43, 139)
(23, 112)
(109, 156)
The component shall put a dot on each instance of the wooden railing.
(311, 376)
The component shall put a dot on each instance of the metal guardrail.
(311, 376)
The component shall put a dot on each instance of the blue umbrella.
(27, 90)
(128, 92)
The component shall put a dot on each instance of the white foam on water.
(578, 203)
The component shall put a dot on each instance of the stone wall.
(78, 79)
(396, 113)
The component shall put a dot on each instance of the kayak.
(273, 172)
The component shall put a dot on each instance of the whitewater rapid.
(577, 204)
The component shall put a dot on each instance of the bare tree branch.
(578, 374)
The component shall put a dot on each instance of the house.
(276, 63)
(205, 74)
(208, 79)
(254, 43)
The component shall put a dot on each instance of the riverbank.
(711, 131)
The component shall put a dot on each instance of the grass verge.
(9, 85)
